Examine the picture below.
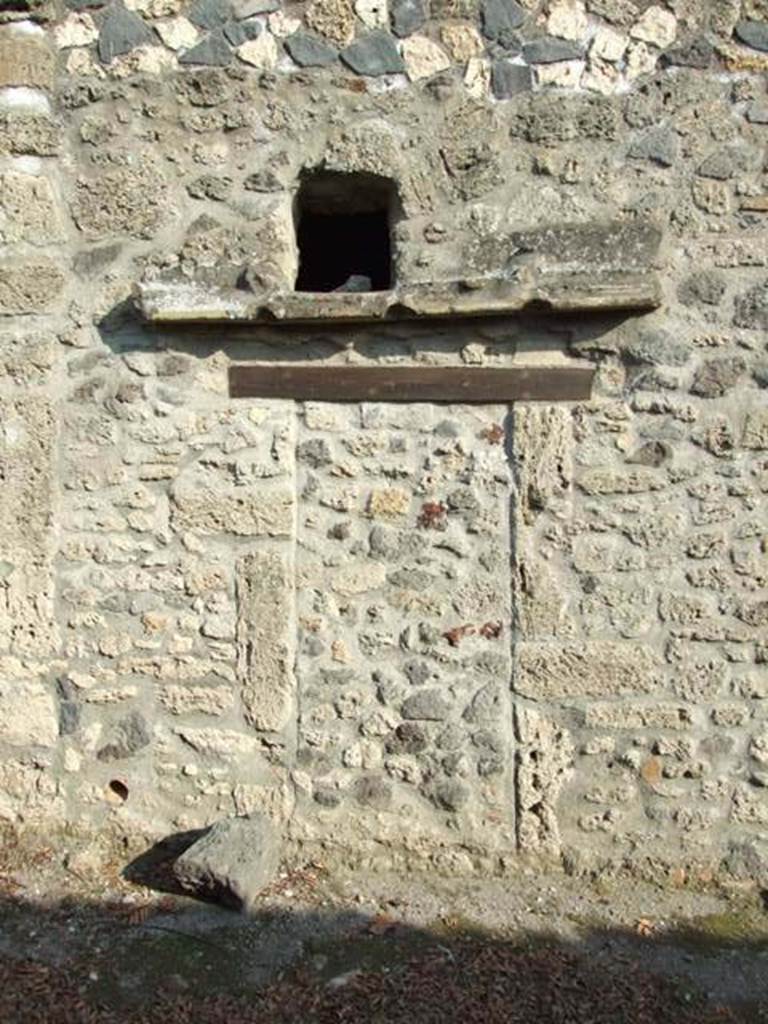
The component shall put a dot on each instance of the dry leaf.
(381, 924)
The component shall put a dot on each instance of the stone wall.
(450, 634)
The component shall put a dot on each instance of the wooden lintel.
(412, 384)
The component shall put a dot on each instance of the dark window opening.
(343, 228)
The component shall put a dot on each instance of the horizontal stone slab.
(562, 269)
(162, 302)
(592, 668)
(268, 514)
(622, 715)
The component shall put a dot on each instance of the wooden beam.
(412, 383)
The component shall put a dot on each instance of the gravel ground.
(462, 982)
(80, 945)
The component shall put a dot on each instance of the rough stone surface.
(374, 54)
(715, 377)
(410, 633)
(122, 201)
(121, 31)
(28, 133)
(210, 14)
(508, 79)
(592, 669)
(753, 33)
(697, 53)
(128, 736)
(500, 19)
(423, 58)
(232, 862)
(462, 42)
(660, 145)
(543, 459)
(76, 30)
(407, 16)
(214, 51)
(25, 61)
(544, 759)
(309, 51)
(264, 600)
(333, 19)
(246, 515)
(752, 307)
(178, 33)
(29, 714)
(29, 287)
(551, 51)
(568, 19)
(261, 52)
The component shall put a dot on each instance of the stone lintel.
(563, 268)
(167, 303)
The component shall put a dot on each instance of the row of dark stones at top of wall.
(510, 36)
(121, 30)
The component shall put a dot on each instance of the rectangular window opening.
(343, 232)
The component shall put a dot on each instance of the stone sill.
(190, 302)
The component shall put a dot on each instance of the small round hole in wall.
(117, 791)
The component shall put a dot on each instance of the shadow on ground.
(165, 958)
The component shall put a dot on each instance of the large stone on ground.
(232, 862)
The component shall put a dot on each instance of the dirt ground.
(83, 945)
